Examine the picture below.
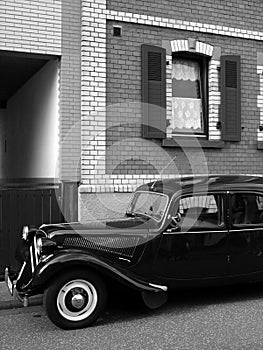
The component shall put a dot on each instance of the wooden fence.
(25, 205)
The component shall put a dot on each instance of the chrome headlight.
(25, 233)
(45, 246)
(39, 245)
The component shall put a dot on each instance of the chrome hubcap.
(77, 300)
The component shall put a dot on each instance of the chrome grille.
(124, 246)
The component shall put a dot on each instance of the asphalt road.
(222, 318)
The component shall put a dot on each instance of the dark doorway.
(29, 127)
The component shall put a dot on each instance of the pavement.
(7, 301)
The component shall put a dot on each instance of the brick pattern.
(134, 165)
(119, 80)
(214, 98)
(95, 176)
(169, 92)
(93, 90)
(233, 157)
(191, 45)
(31, 26)
(242, 14)
(70, 95)
(173, 23)
(260, 100)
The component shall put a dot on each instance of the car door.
(246, 232)
(197, 247)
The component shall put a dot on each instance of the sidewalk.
(7, 301)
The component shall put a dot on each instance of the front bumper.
(19, 284)
(9, 281)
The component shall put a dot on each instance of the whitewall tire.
(76, 299)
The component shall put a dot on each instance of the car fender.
(48, 269)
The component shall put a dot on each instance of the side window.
(247, 208)
(201, 211)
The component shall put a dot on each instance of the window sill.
(189, 142)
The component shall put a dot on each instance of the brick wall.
(241, 14)
(31, 26)
(124, 86)
(114, 156)
(93, 91)
(70, 91)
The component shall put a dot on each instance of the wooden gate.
(27, 205)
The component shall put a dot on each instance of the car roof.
(204, 182)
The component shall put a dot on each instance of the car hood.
(122, 224)
(122, 239)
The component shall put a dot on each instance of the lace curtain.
(185, 70)
(187, 114)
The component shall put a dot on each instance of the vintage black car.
(192, 231)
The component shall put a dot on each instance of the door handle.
(172, 229)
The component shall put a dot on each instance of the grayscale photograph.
(131, 175)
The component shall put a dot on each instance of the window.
(148, 204)
(187, 110)
(201, 211)
(247, 208)
(189, 91)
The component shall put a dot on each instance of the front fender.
(59, 263)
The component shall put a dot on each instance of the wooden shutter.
(153, 92)
(230, 98)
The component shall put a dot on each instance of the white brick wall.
(31, 26)
(184, 25)
(70, 91)
(93, 87)
(214, 98)
(260, 100)
(169, 94)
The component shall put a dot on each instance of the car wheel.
(76, 299)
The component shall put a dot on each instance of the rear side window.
(247, 208)
(201, 211)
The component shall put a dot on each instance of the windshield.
(148, 203)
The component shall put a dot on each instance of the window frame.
(129, 208)
(243, 225)
(221, 209)
(203, 62)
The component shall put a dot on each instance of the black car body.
(192, 231)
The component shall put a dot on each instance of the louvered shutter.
(153, 92)
(230, 98)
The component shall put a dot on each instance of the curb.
(15, 304)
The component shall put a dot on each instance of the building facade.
(40, 102)
(168, 88)
(117, 93)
